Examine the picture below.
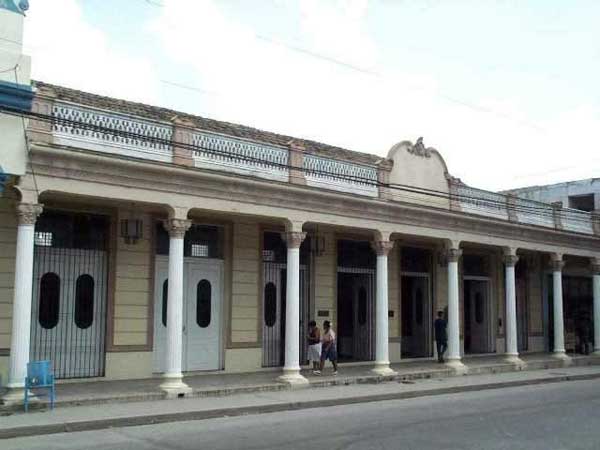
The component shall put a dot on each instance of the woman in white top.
(329, 347)
(314, 346)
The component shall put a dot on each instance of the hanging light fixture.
(132, 229)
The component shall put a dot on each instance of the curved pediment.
(422, 168)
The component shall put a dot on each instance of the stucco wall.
(245, 298)
(132, 295)
(325, 276)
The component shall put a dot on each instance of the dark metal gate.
(68, 314)
(355, 300)
(274, 301)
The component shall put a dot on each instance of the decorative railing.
(213, 151)
(483, 203)
(340, 176)
(152, 142)
(577, 221)
(534, 213)
(102, 131)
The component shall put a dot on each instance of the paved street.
(554, 416)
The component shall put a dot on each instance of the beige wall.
(8, 237)
(128, 365)
(325, 279)
(245, 296)
(132, 295)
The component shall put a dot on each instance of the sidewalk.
(221, 384)
(82, 418)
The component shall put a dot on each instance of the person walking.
(329, 347)
(314, 346)
(441, 336)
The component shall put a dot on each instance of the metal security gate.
(356, 313)
(68, 314)
(274, 304)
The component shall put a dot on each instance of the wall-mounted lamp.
(131, 230)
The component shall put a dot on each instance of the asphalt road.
(551, 416)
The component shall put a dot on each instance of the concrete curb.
(101, 424)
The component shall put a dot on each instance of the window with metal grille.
(415, 260)
(67, 230)
(270, 304)
(203, 303)
(358, 254)
(165, 295)
(200, 241)
(200, 250)
(49, 300)
(43, 239)
(84, 301)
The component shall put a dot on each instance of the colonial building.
(145, 242)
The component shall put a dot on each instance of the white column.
(173, 378)
(21, 316)
(596, 288)
(559, 332)
(382, 358)
(453, 358)
(291, 369)
(512, 352)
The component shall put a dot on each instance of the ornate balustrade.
(340, 176)
(213, 151)
(577, 221)
(108, 132)
(152, 143)
(534, 213)
(483, 203)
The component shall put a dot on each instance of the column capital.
(177, 227)
(510, 260)
(557, 265)
(27, 213)
(293, 239)
(382, 248)
(453, 254)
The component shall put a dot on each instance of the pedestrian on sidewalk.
(441, 336)
(314, 346)
(329, 347)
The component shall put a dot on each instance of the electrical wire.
(480, 203)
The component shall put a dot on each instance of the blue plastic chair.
(39, 376)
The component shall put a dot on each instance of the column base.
(457, 365)
(292, 377)
(174, 386)
(16, 396)
(513, 358)
(596, 352)
(383, 369)
(562, 356)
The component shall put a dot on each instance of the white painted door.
(202, 306)
(202, 329)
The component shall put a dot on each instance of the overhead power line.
(481, 203)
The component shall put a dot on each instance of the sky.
(508, 91)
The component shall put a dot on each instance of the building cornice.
(71, 164)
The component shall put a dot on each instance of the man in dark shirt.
(441, 337)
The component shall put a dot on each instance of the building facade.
(583, 195)
(145, 242)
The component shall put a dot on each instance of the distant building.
(581, 194)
